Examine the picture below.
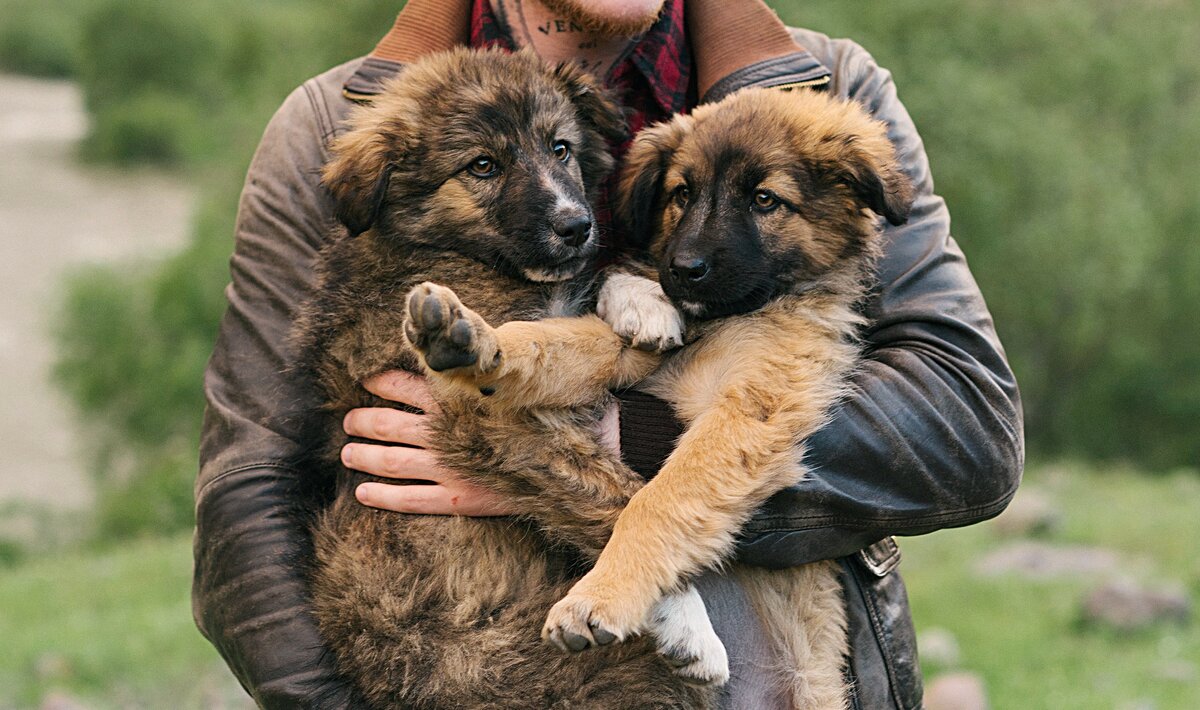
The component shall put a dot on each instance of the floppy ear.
(359, 172)
(872, 173)
(639, 198)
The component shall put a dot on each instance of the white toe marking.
(637, 310)
(681, 625)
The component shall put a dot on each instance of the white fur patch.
(637, 310)
(684, 633)
(546, 276)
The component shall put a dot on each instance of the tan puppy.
(757, 212)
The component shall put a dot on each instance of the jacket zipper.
(819, 81)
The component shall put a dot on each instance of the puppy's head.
(762, 194)
(489, 154)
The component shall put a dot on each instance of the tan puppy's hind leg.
(804, 612)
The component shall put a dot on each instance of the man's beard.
(579, 12)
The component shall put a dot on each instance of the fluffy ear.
(593, 103)
(359, 172)
(640, 193)
(871, 171)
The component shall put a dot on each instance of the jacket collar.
(736, 43)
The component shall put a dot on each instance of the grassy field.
(114, 629)
(1025, 637)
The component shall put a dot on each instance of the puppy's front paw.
(580, 620)
(640, 313)
(686, 639)
(447, 334)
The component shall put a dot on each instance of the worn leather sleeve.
(249, 597)
(932, 435)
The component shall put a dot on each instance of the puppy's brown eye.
(483, 167)
(682, 195)
(765, 201)
(562, 150)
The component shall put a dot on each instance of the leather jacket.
(931, 437)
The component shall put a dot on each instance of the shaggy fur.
(474, 169)
(757, 213)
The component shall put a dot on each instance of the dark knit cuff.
(649, 431)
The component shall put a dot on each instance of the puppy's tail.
(803, 612)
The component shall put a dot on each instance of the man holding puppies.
(931, 438)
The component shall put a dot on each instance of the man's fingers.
(431, 499)
(404, 387)
(394, 462)
(390, 425)
(424, 500)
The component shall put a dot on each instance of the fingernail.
(347, 454)
(361, 493)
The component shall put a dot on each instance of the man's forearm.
(249, 596)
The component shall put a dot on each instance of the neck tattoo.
(556, 38)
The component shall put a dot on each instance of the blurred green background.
(1064, 135)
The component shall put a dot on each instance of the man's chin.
(596, 16)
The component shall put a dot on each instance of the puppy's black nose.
(692, 269)
(573, 230)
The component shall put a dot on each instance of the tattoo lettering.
(558, 26)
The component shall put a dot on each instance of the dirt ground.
(56, 214)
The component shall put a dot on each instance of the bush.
(41, 37)
(1061, 134)
(190, 86)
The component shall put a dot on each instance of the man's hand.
(447, 494)
(443, 492)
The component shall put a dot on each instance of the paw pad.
(448, 334)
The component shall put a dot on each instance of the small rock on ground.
(1031, 513)
(956, 691)
(59, 700)
(1042, 561)
(938, 647)
(1127, 605)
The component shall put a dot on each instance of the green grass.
(113, 627)
(1025, 638)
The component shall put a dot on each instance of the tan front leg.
(684, 520)
(558, 362)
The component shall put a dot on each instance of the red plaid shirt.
(653, 81)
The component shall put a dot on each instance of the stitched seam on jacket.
(877, 628)
(277, 465)
(817, 522)
(316, 102)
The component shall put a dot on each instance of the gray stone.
(938, 647)
(51, 666)
(60, 700)
(1043, 561)
(956, 691)
(1127, 605)
(1031, 513)
(1177, 671)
